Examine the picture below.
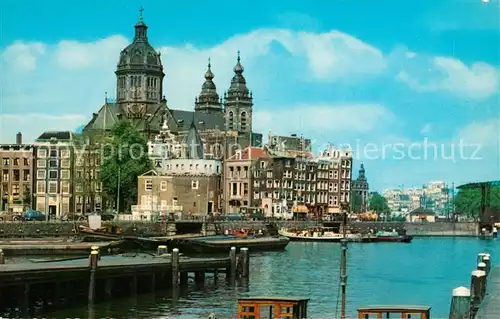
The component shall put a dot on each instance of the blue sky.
(371, 74)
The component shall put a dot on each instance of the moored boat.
(221, 244)
(324, 234)
(392, 236)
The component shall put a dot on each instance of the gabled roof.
(151, 173)
(59, 135)
(254, 152)
(193, 143)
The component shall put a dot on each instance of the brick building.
(16, 166)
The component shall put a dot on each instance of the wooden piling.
(199, 277)
(477, 279)
(460, 303)
(96, 248)
(487, 262)
(162, 250)
(175, 267)
(480, 257)
(481, 266)
(93, 260)
(2, 257)
(231, 272)
(245, 263)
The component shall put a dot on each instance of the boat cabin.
(400, 312)
(272, 308)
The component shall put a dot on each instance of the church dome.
(140, 54)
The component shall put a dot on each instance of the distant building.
(16, 166)
(360, 187)
(292, 145)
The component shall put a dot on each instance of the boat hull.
(208, 245)
(394, 239)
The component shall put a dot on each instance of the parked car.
(34, 215)
(10, 216)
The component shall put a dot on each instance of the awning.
(300, 209)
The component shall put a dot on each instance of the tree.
(378, 203)
(27, 197)
(124, 158)
(468, 201)
(356, 203)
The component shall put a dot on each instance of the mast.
(343, 265)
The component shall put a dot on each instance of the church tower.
(139, 75)
(238, 102)
(208, 101)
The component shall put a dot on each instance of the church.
(140, 99)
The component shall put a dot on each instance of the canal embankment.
(26, 230)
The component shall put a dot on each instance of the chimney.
(19, 138)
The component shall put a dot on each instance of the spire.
(361, 175)
(208, 100)
(193, 143)
(141, 29)
(238, 90)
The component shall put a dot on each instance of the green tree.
(356, 203)
(378, 203)
(124, 158)
(468, 201)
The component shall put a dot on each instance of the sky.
(411, 86)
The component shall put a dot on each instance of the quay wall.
(68, 229)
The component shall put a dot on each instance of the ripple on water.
(423, 272)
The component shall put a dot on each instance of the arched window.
(243, 121)
(230, 120)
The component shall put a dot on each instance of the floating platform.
(25, 287)
(22, 248)
(218, 244)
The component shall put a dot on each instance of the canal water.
(423, 272)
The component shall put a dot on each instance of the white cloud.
(32, 125)
(72, 76)
(443, 74)
(22, 56)
(484, 133)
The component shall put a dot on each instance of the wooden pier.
(55, 285)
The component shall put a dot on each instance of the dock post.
(231, 272)
(477, 277)
(96, 248)
(199, 277)
(175, 267)
(487, 262)
(480, 257)
(93, 260)
(460, 303)
(162, 250)
(2, 257)
(245, 263)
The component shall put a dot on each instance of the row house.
(67, 179)
(286, 186)
(17, 175)
(238, 171)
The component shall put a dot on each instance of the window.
(26, 161)
(148, 185)
(26, 175)
(64, 174)
(6, 161)
(53, 163)
(40, 163)
(157, 162)
(53, 174)
(163, 186)
(40, 174)
(65, 187)
(15, 189)
(53, 153)
(40, 187)
(16, 161)
(65, 163)
(42, 153)
(194, 184)
(52, 187)
(65, 153)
